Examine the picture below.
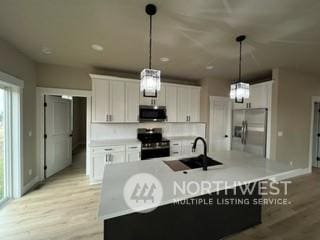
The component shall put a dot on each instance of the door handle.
(226, 136)
(71, 135)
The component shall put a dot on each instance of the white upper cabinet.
(100, 100)
(160, 100)
(183, 104)
(132, 101)
(171, 103)
(194, 111)
(117, 101)
(188, 104)
(260, 96)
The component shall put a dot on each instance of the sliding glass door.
(2, 146)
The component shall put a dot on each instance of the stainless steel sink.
(191, 163)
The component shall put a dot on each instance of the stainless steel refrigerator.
(249, 131)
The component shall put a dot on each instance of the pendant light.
(240, 90)
(150, 78)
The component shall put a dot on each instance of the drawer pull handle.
(108, 149)
(133, 147)
(175, 144)
(175, 152)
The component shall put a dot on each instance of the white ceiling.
(192, 33)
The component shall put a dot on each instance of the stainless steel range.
(153, 144)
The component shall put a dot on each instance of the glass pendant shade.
(150, 82)
(240, 91)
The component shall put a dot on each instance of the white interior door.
(220, 124)
(58, 130)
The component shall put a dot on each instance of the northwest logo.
(143, 192)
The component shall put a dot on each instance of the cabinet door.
(194, 105)
(186, 149)
(98, 162)
(171, 103)
(146, 100)
(161, 97)
(117, 157)
(183, 103)
(240, 105)
(259, 95)
(100, 100)
(117, 101)
(133, 156)
(132, 101)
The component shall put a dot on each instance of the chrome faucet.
(204, 159)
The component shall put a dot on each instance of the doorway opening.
(65, 130)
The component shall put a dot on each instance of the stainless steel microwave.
(152, 113)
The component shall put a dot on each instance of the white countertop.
(112, 142)
(181, 138)
(237, 166)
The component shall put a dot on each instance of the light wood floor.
(66, 208)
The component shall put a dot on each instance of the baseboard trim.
(292, 174)
(30, 185)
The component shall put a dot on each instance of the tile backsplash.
(129, 130)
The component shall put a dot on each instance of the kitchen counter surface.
(181, 138)
(237, 166)
(112, 142)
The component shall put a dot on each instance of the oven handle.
(155, 148)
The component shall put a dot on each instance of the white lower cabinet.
(100, 156)
(133, 156)
(184, 147)
(98, 160)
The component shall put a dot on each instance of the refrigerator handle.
(242, 133)
(245, 132)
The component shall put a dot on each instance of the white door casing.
(58, 130)
(220, 124)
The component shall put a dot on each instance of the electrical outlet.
(30, 133)
(30, 172)
(280, 134)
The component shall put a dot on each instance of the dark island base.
(188, 222)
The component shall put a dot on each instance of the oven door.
(152, 113)
(147, 154)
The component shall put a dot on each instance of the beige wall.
(17, 64)
(56, 76)
(293, 115)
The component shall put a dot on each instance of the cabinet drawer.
(174, 152)
(133, 147)
(175, 144)
(106, 149)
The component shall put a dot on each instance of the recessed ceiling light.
(46, 50)
(164, 59)
(97, 47)
(209, 67)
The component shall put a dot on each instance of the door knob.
(226, 136)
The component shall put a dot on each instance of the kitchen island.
(187, 221)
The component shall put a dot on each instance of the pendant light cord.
(150, 42)
(240, 61)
